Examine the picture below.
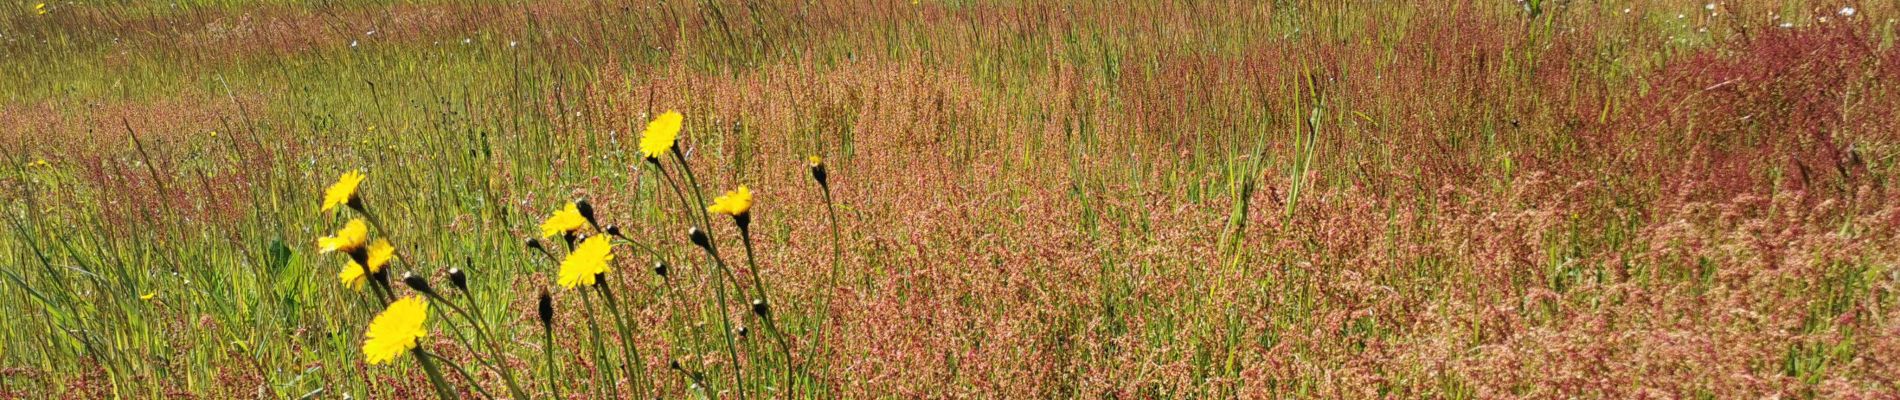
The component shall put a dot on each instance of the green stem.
(631, 355)
(600, 351)
(435, 376)
(758, 285)
(554, 370)
(458, 370)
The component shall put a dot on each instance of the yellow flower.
(39, 9)
(814, 161)
(396, 330)
(588, 260)
(660, 134)
(734, 203)
(350, 238)
(148, 296)
(353, 275)
(564, 221)
(343, 191)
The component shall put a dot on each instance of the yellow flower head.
(343, 191)
(352, 276)
(734, 203)
(396, 330)
(660, 134)
(814, 161)
(588, 260)
(350, 238)
(39, 9)
(567, 220)
(148, 296)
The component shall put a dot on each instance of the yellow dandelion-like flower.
(350, 238)
(352, 276)
(148, 296)
(39, 9)
(567, 220)
(814, 161)
(343, 191)
(396, 330)
(588, 260)
(661, 134)
(379, 254)
(734, 203)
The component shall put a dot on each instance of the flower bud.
(613, 230)
(534, 244)
(759, 307)
(545, 310)
(418, 284)
(459, 279)
(659, 268)
(699, 237)
(817, 170)
(587, 211)
(743, 332)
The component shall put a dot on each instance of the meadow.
(1020, 199)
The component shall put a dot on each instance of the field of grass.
(1023, 199)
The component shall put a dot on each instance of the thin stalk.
(631, 355)
(435, 376)
(458, 370)
(771, 326)
(600, 351)
(482, 333)
(554, 370)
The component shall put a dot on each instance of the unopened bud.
(659, 268)
(818, 170)
(545, 310)
(533, 244)
(459, 279)
(699, 237)
(612, 230)
(587, 211)
(418, 284)
(759, 307)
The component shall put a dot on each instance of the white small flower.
(1786, 25)
(1680, 16)
(1847, 11)
(352, 43)
(467, 40)
(1710, 6)
(512, 43)
(1626, 11)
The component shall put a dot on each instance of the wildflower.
(545, 310)
(459, 279)
(734, 203)
(148, 296)
(343, 192)
(39, 9)
(587, 211)
(698, 237)
(759, 307)
(377, 257)
(817, 169)
(352, 276)
(563, 222)
(1847, 11)
(586, 262)
(348, 239)
(660, 135)
(38, 163)
(417, 283)
(396, 331)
